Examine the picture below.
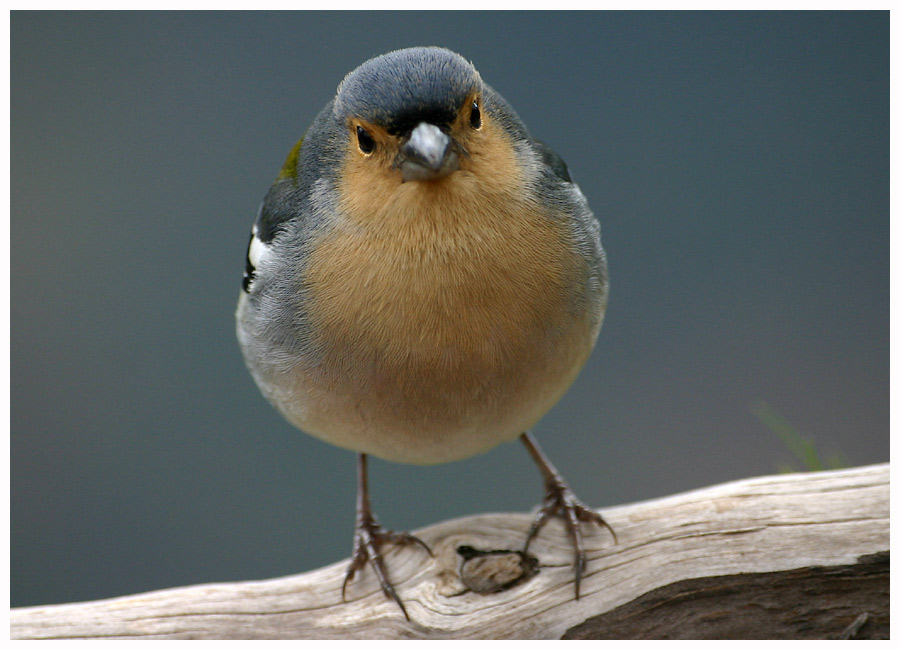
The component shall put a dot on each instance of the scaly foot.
(559, 500)
(368, 539)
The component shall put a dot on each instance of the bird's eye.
(366, 143)
(475, 115)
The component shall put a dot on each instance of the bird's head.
(412, 115)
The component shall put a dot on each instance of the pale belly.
(432, 358)
(425, 405)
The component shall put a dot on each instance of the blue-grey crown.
(399, 89)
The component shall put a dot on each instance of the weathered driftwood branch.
(791, 556)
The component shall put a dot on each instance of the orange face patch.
(457, 271)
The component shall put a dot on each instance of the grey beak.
(427, 154)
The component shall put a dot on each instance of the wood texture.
(815, 544)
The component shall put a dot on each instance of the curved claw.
(366, 550)
(560, 500)
(368, 539)
(403, 539)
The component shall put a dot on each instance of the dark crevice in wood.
(851, 601)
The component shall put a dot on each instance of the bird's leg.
(370, 536)
(560, 500)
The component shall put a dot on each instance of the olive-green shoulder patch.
(289, 169)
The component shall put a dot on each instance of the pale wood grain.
(756, 525)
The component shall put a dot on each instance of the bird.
(423, 282)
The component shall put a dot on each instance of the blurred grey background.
(738, 163)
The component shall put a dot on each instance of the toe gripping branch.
(369, 538)
(560, 500)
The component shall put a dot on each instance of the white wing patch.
(257, 250)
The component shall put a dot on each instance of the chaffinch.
(424, 281)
